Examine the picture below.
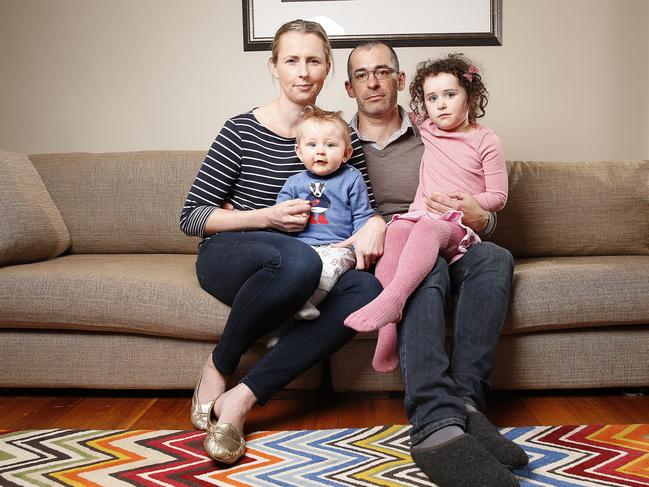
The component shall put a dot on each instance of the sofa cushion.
(60, 358)
(31, 226)
(576, 292)
(560, 293)
(562, 359)
(127, 202)
(152, 294)
(576, 208)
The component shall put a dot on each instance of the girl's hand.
(474, 216)
(367, 242)
(288, 216)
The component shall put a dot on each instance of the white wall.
(571, 81)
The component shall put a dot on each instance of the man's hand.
(367, 242)
(474, 216)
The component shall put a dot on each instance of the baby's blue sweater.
(344, 203)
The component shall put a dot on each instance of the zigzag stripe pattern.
(587, 455)
(611, 455)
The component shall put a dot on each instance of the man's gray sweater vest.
(394, 172)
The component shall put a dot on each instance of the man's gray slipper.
(462, 462)
(505, 451)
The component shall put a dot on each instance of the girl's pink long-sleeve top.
(472, 162)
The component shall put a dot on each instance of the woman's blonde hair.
(303, 27)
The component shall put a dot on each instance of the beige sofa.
(97, 283)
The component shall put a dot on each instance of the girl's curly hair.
(458, 66)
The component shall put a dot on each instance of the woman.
(266, 276)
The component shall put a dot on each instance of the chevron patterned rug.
(611, 455)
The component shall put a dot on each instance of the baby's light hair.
(315, 114)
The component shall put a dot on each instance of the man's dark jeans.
(440, 383)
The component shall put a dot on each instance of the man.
(451, 440)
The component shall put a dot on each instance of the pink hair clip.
(470, 72)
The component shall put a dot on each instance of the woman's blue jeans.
(439, 382)
(265, 277)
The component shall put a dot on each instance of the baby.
(340, 204)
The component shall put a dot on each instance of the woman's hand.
(367, 242)
(288, 216)
(474, 216)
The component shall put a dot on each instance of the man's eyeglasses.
(380, 74)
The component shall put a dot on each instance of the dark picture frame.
(273, 13)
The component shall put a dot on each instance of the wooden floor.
(28, 409)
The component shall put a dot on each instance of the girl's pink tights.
(410, 253)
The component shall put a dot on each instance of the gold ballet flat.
(200, 412)
(223, 442)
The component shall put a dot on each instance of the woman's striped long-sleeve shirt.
(247, 166)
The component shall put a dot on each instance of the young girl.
(460, 156)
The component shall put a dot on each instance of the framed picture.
(401, 23)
